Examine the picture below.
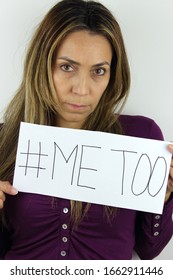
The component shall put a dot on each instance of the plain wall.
(147, 26)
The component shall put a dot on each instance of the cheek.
(96, 100)
(104, 83)
(61, 86)
(101, 89)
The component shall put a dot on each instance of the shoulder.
(140, 126)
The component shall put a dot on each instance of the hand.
(6, 188)
(170, 180)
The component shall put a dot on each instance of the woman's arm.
(153, 231)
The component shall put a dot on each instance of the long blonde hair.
(36, 101)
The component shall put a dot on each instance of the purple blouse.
(40, 227)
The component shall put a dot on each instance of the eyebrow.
(77, 63)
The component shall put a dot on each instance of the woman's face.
(81, 74)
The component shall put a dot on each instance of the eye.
(100, 71)
(66, 68)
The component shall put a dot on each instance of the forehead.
(84, 45)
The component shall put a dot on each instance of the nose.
(81, 85)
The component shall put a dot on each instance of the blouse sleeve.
(3, 233)
(4, 241)
(154, 231)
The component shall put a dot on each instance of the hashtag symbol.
(37, 158)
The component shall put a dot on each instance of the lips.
(76, 106)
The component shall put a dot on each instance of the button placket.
(64, 241)
(156, 225)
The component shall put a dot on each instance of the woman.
(76, 75)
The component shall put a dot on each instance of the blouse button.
(64, 239)
(64, 226)
(157, 217)
(65, 210)
(63, 253)
(156, 225)
(156, 233)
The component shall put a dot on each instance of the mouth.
(76, 106)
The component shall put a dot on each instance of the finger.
(170, 184)
(170, 148)
(170, 181)
(172, 163)
(171, 170)
(2, 196)
(1, 204)
(2, 199)
(6, 187)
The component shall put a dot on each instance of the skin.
(81, 74)
(170, 180)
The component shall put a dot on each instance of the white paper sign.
(96, 167)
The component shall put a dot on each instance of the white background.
(147, 26)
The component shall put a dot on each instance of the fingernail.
(14, 191)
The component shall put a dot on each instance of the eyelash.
(98, 70)
(64, 66)
(68, 68)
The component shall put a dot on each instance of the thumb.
(7, 188)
